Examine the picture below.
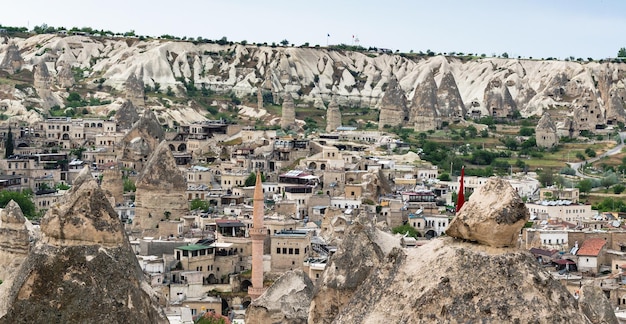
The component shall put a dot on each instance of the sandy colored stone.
(83, 269)
(286, 301)
(494, 215)
(161, 187)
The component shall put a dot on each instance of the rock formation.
(286, 301)
(113, 185)
(370, 279)
(288, 119)
(333, 116)
(41, 75)
(423, 113)
(134, 88)
(498, 99)
(14, 247)
(616, 109)
(259, 99)
(449, 281)
(141, 140)
(65, 77)
(545, 133)
(353, 79)
(393, 106)
(12, 61)
(83, 269)
(449, 98)
(586, 109)
(595, 305)
(494, 215)
(161, 189)
(364, 249)
(126, 115)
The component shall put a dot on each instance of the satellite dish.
(616, 223)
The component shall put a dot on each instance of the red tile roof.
(591, 247)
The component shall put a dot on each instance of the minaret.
(257, 232)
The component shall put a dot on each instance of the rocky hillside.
(444, 86)
(370, 279)
(83, 269)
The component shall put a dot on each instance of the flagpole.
(460, 198)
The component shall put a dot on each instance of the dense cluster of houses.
(314, 187)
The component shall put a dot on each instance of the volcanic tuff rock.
(142, 139)
(314, 75)
(83, 270)
(362, 251)
(546, 133)
(393, 106)
(333, 116)
(12, 61)
(135, 89)
(498, 99)
(126, 115)
(494, 215)
(423, 111)
(42, 76)
(449, 281)
(595, 305)
(14, 247)
(449, 98)
(286, 301)
(113, 184)
(616, 110)
(288, 119)
(65, 77)
(161, 188)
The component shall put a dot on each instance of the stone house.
(289, 249)
(591, 255)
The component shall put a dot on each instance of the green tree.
(584, 186)
(505, 55)
(526, 131)
(251, 179)
(199, 204)
(618, 188)
(472, 131)
(284, 42)
(78, 152)
(22, 198)
(406, 228)
(621, 52)
(129, 185)
(8, 144)
(444, 176)
(609, 180)
(546, 177)
(590, 152)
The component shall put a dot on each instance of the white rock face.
(494, 215)
(354, 78)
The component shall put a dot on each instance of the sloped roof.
(591, 247)
(546, 123)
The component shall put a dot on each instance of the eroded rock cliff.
(83, 269)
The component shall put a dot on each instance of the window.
(277, 250)
(297, 251)
(290, 250)
(284, 250)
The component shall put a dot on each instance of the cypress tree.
(8, 144)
